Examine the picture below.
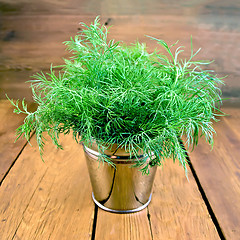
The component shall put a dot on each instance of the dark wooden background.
(32, 32)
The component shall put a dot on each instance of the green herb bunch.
(110, 93)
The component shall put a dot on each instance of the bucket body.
(121, 189)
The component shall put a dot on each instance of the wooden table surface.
(52, 199)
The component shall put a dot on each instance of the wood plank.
(50, 200)
(37, 42)
(219, 173)
(232, 119)
(177, 210)
(112, 226)
(8, 125)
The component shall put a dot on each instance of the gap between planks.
(56, 205)
(204, 196)
(96, 210)
(218, 171)
(14, 161)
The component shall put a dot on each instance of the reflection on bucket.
(122, 189)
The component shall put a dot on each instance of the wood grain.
(8, 125)
(177, 210)
(219, 173)
(232, 120)
(112, 226)
(50, 200)
(37, 42)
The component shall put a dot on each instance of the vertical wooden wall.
(32, 32)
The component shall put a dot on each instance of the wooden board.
(177, 211)
(8, 125)
(50, 200)
(112, 226)
(219, 173)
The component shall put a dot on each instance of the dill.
(110, 92)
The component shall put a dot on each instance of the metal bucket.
(123, 189)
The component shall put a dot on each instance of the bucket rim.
(116, 158)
